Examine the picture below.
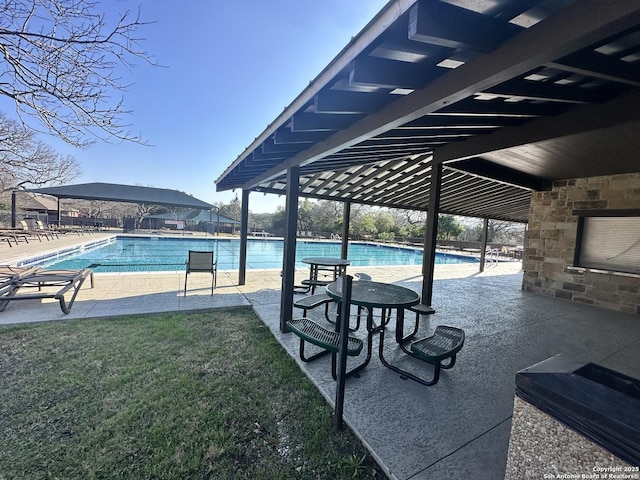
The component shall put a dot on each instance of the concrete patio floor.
(457, 429)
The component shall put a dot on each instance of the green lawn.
(170, 396)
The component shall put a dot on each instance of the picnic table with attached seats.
(443, 345)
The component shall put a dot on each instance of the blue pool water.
(143, 254)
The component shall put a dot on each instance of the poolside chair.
(201, 262)
(50, 284)
(64, 229)
(24, 227)
(44, 230)
(10, 274)
(10, 238)
(15, 235)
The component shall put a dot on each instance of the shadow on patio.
(459, 428)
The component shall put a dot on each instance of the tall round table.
(337, 267)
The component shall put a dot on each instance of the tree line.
(325, 217)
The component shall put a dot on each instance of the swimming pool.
(162, 254)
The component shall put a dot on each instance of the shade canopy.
(508, 95)
(112, 192)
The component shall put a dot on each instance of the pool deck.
(458, 429)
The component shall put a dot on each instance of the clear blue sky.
(231, 67)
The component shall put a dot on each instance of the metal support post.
(343, 326)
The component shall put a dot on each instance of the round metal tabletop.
(327, 261)
(375, 294)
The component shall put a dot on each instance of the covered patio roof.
(113, 192)
(508, 96)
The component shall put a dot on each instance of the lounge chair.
(10, 274)
(15, 236)
(44, 230)
(64, 229)
(201, 262)
(50, 284)
(10, 238)
(24, 228)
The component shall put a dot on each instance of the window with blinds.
(609, 243)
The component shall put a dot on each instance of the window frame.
(585, 214)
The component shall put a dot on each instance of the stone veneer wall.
(551, 239)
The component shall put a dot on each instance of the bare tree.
(26, 161)
(97, 208)
(59, 62)
(116, 209)
(505, 232)
(144, 209)
(414, 217)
